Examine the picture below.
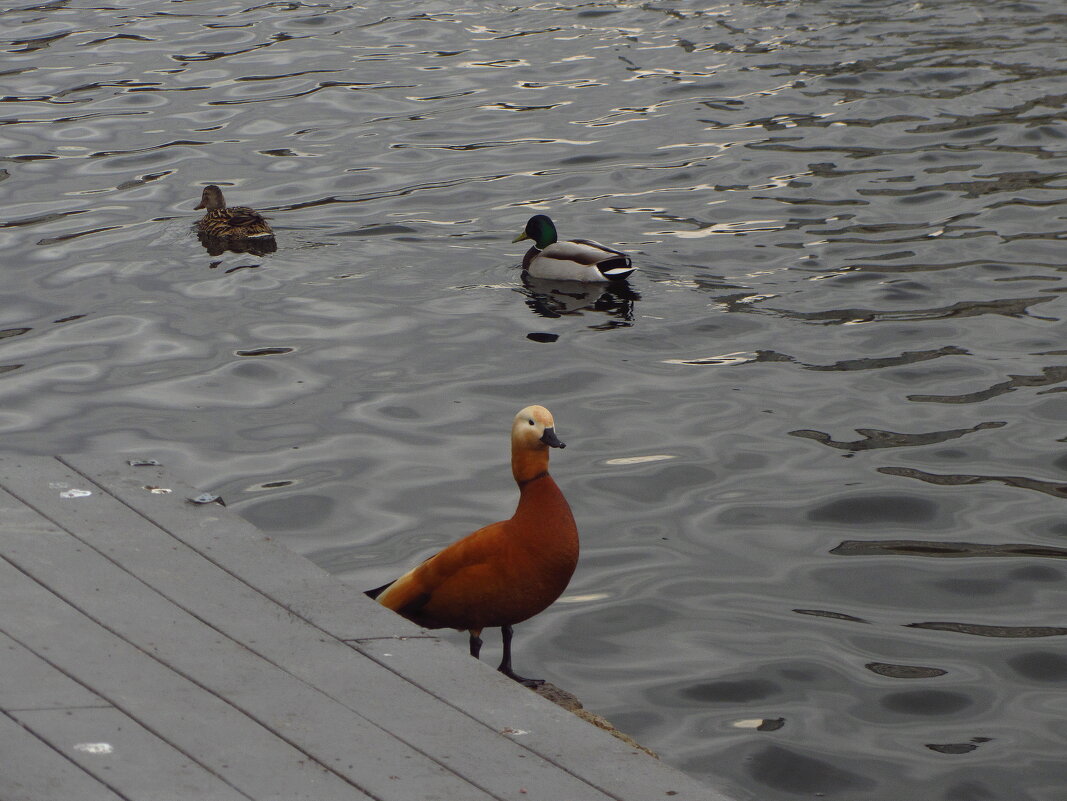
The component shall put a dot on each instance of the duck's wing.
(613, 264)
(242, 215)
(401, 580)
(406, 596)
(377, 590)
(589, 243)
(409, 602)
(582, 251)
(448, 589)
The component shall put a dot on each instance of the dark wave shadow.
(980, 630)
(1008, 307)
(934, 548)
(1048, 377)
(874, 438)
(955, 480)
(870, 363)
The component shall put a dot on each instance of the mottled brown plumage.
(506, 572)
(231, 223)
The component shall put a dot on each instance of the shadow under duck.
(570, 260)
(231, 223)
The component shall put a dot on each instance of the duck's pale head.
(212, 198)
(534, 429)
(540, 229)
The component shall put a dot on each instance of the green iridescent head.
(540, 229)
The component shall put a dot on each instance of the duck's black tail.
(616, 268)
(377, 590)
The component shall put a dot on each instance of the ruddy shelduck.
(506, 572)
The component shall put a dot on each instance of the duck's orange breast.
(501, 574)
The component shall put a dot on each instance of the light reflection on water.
(815, 441)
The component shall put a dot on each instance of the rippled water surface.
(816, 441)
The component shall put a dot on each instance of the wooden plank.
(115, 749)
(278, 608)
(195, 721)
(234, 544)
(493, 762)
(305, 716)
(30, 682)
(559, 736)
(449, 674)
(31, 771)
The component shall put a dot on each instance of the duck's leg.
(476, 642)
(505, 663)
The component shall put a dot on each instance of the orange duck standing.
(506, 572)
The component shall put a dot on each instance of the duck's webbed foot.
(505, 663)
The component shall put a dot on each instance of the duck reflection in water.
(552, 299)
(216, 246)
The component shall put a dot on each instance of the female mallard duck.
(235, 222)
(571, 260)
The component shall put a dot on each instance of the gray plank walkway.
(152, 649)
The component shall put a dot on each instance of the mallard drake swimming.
(506, 572)
(571, 260)
(235, 222)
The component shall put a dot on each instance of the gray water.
(815, 443)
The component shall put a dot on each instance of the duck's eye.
(531, 422)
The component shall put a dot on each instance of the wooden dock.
(153, 649)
